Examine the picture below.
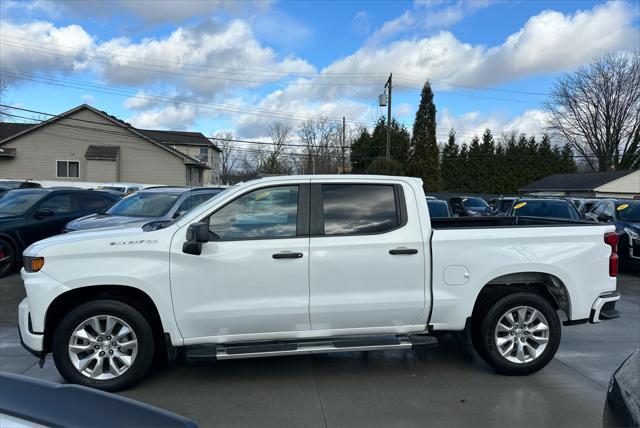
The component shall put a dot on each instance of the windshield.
(477, 203)
(144, 205)
(551, 209)
(10, 184)
(437, 209)
(628, 211)
(19, 201)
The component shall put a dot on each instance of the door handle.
(287, 255)
(403, 251)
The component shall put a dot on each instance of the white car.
(124, 188)
(310, 264)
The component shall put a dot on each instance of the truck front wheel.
(518, 334)
(103, 344)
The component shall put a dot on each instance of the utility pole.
(342, 146)
(389, 86)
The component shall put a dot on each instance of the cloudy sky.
(239, 65)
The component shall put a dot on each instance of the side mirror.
(44, 212)
(197, 234)
(179, 214)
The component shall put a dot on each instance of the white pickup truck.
(311, 264)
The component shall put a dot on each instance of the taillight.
(611, 239)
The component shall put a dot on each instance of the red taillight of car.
(611, 239)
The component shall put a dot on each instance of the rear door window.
(352, 209)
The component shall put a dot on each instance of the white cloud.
(549, 42)
(169, 116)
(474, 123)
(89, 99)
(428, 15)
(360, 23)
(22, 47)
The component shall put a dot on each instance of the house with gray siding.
(87, 144)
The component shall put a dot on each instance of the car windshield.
(11, 184)
(472, 203)
(628, 211)
(437, 209)
(18, 202)
(551, 209)
(144, 204)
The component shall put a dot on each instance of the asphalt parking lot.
(444, 386)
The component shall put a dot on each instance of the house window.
(67, 169)
(203, 156)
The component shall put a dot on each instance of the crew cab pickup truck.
(311, 264)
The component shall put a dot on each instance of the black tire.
(131, 316)
(486, 321)
(7, 258)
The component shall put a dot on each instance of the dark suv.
(29, 215)
(625, 215)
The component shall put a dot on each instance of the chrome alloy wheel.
(103, 347)
(522, 334)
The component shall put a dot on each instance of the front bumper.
(604, 307)
(32, 342)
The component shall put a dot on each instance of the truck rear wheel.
(103, 344)
(518, 334)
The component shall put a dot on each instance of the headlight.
(632, 233)
(32, 264)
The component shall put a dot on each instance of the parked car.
(29, 215)
(622, 406)
(159, 205)
(124, 188)
(6, 185)
(438, 208)
(501, 206)
(27, 402)
(311, 264)
(542, 207)
(465, 206)
(625, 215)
(584, 205)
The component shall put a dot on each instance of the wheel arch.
(548, 285)
(134, 297)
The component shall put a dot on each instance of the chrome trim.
(611, 296)
(314, 348)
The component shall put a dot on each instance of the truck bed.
(504, 221)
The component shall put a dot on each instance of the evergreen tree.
(450, 164)
(424, 157)
(360, 152)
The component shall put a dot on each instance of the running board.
(273, 349)
(320, 347)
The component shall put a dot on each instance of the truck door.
(367, 258)
(252, 277)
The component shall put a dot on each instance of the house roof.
(102, 152)
(579, 181)
(25, 129)
(183, 138)
(9, 129)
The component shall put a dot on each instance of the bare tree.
(275, 161)
(229, 155)
(597, 110)
(322, 150)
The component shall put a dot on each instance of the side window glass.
(185, 206)
(91, 203)
(58, 204)
(608, 211)
(358, 208)
(264, 213)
